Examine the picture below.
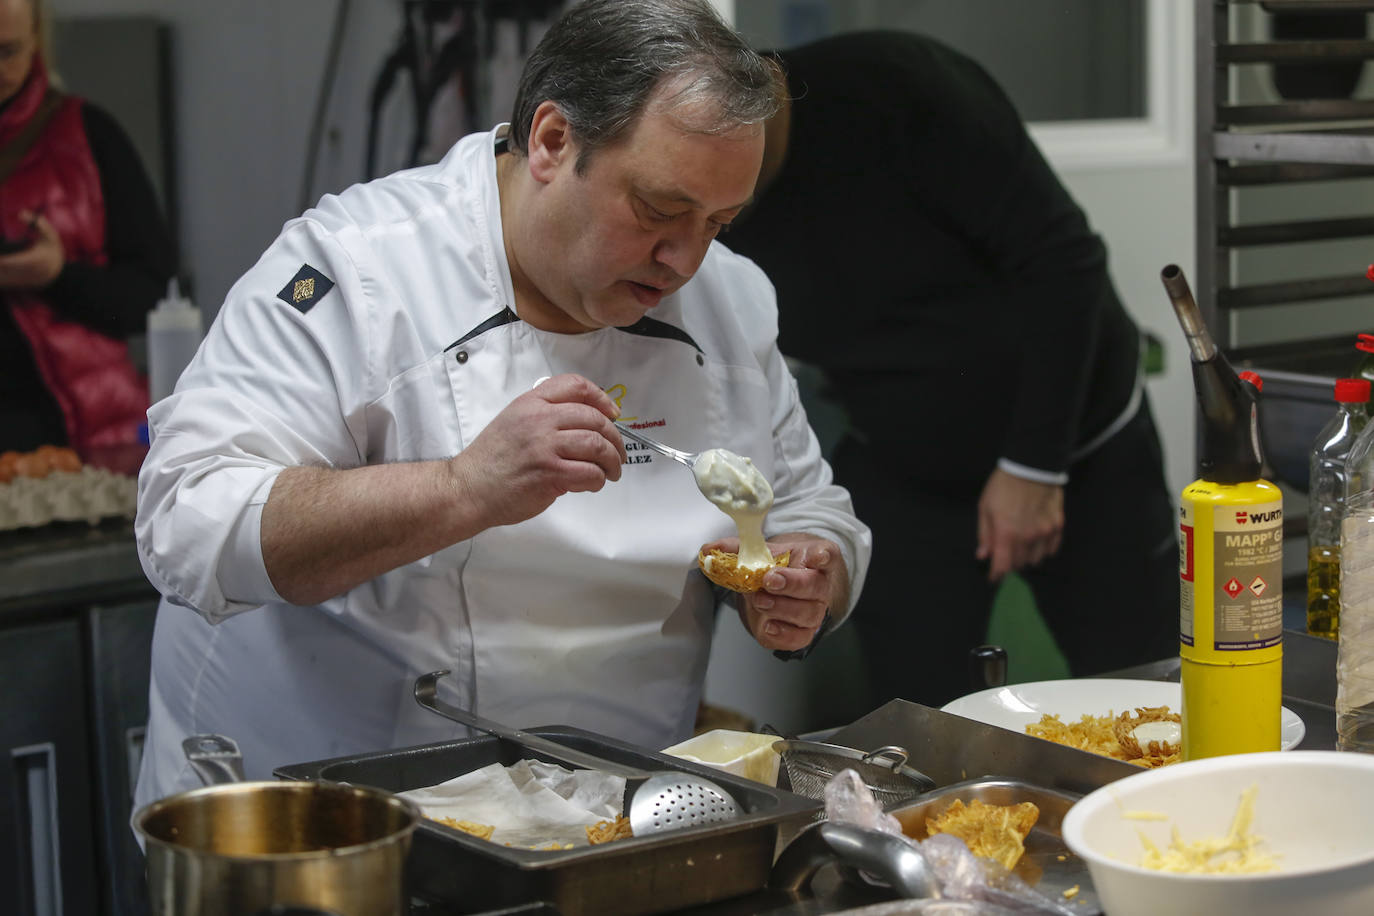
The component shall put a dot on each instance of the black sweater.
(113, 299)
(927, 257)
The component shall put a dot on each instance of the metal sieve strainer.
(810, 765)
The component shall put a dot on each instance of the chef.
(394, 452)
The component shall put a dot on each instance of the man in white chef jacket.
(394, 451)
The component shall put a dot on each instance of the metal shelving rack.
(1243, 146)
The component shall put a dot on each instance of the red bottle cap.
(1364, 342)
(1370, 272)
(1253, 379)
(1352, 390)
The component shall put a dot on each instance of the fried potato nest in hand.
(996, 832)
(723, 569)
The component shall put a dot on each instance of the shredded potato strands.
(992, 831)
(600, 832)
(1112, 736)
(1235, 854)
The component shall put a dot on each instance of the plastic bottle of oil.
(1230, 560)
(1326, 505)
(1355, 652)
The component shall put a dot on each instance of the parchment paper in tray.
(530, 803)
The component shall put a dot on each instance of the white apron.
(592, 614)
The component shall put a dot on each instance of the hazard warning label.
(1248, 553)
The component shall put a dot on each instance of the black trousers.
(1109, 596)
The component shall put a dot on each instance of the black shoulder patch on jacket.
(306, 288)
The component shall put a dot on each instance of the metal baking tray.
(1047, 865)
(951, 749)
(652, 874)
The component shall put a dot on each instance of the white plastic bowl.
(1314, 809)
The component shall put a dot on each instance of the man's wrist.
(1036, 475)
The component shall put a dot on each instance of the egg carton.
(88, 495)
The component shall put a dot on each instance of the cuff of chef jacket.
(243, 580)
(1056, 478)
(724, 596)
(789, 655)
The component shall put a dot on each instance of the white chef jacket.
(380, 327)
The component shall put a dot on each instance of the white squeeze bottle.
(174, 332)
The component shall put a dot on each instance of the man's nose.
(682, 252)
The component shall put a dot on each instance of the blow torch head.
(1200, 343)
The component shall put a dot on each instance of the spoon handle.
(686, 458)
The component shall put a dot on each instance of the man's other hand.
(1020, 522)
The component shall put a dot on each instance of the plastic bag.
(968, 884)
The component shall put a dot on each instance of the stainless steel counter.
(66, 565)
(1309, 689)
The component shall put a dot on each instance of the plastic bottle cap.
(1370, 272)
(1352, 390)
(1365, 342)
(1253, 378)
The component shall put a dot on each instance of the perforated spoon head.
(672, 801)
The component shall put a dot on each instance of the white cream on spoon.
(737, 488)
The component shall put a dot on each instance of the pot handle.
(215, 758)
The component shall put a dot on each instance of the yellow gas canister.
(1231, 617)
(1230, 541)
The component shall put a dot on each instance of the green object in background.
(1154, 354)
(1016, 626)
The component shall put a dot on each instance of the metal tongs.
(654, 802)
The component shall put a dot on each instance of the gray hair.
(602, 61)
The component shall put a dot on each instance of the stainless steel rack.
(1248, 145)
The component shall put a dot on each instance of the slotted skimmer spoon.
(654, 802)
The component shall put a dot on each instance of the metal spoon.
(687, 458)
(654, 802)
(754, 496)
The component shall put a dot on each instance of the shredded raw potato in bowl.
(1266, 833)
(1237, 853)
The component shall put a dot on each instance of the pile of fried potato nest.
(996, 832)
(723, 569)
(1112, 736)
(598, 833)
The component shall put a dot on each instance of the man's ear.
(550, 143)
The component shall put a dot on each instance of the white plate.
(1017, 705)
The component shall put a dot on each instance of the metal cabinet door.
(121, 641)
(47, 857)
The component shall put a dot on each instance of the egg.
(1165, 732)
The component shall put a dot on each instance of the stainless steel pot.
(236, 848)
